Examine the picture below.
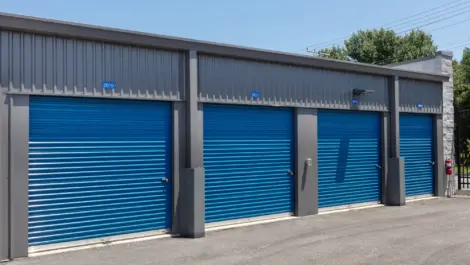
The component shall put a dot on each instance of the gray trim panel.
(306, 177)
(385, 153)
(394, 90)
(81, 31)
(19, 164)
(179, 159)
(4, 172)
(439, 168)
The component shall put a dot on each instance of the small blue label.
(255, 95)
(109, 85)
(420, 106)
(355, 101)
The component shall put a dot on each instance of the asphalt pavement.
(433, 231)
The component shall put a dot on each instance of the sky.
(280, 25)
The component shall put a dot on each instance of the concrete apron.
(420, 197)
(211, 227)
(345, 208)
(95, 243)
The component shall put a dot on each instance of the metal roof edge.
(89, 32)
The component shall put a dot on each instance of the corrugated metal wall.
(46, 64)
(415, 92)
(228, 80)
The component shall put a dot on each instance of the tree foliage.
(373, 46)
(461, 78)
(382, 46)
(462, 81)
(335, 52)
(416, 44)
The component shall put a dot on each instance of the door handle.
(165, 180)
(432, 163)
(378, 166)
(290, 172)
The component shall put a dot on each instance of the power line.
(392, 24)
(450, 25)
(401, 20)
(404, 23)
(430, 21)
(434, 22)
(459, 46)
(453, 43)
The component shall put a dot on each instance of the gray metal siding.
(228, 80)
(36, 64)
(415, 92)
(4, 169)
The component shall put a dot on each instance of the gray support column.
(179, 160)
(394, 94)
(192, 182)
(19, 150)
(439, 167)
(385, 156)
(4, 169)
(306, 176)
(395, 189)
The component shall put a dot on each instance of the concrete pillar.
(192, 181)
(19, 160)
(306, 176)
(395, 185)
(4, 165)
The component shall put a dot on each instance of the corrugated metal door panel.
(416, 147)
(248, 152)
(349, 150)
(96, 168)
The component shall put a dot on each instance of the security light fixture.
(360, 92)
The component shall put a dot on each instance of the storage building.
(108, 134)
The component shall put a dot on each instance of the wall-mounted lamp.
(360, 92)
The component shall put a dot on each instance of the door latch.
(432, 163)
(165, 180)
(290, 172)
(378, 166)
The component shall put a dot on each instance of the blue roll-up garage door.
(349, 147)
(97, 168)
(248, 153)
(416, 147)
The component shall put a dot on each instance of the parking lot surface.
(435, 231)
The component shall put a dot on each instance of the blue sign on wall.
(420, 106)
(108, 85)
(255, 95)
(355, 101)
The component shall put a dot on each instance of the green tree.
(382, 46)
(335, 52)
(415, 44)
(373, 46)
(462, 81)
